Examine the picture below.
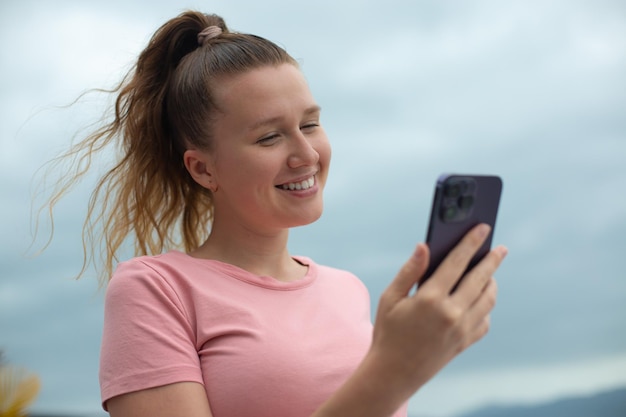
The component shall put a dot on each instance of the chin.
(306, 220)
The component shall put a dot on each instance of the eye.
(268, 140)
(309, 127)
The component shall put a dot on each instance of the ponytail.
(164, 105)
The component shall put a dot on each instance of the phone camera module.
(458, 199)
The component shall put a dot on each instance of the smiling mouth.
(302, 185)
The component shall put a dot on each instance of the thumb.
(410, 273)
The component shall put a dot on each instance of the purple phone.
(460, 203)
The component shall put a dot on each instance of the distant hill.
(605, 404)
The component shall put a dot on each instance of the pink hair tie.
(209, 33)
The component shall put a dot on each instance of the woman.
(222, 144)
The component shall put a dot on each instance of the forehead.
(261, 93)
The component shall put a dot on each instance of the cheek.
(247, 170)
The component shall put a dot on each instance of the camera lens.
(449, 213)
(465, 202)
(452, 190)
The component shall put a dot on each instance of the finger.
(409, 274)
(483, 305)
(478, 319)
(455, 263)
(474, 282)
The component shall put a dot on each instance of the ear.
(200, 166)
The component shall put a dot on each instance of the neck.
(260, 253)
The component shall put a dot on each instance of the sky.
(532, 91)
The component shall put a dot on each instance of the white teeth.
(303, 185)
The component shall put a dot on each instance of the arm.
(181, 399)
(414, 337)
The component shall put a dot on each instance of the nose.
(303, 152)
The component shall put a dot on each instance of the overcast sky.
(533, 91)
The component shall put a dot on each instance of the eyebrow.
(272, 120)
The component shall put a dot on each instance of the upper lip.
(299, 179)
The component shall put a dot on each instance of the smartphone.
(460, 203)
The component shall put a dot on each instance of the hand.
(417, 335)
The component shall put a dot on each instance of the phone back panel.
(460, 203)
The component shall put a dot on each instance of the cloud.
(532, 91)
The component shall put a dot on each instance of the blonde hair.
(164, 105)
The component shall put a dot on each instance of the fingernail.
(483, 230)
(419, 252)
(503, 251)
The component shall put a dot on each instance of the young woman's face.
(270, 155)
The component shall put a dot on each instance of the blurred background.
(532, 91)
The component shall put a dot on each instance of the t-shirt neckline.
(254, 279)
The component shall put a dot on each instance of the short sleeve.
(148, 339)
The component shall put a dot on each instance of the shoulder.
(164, 274)
(338, 273)
(175, 276)
(167, 267)
(336, 277)
(331, 271)
(157, 264)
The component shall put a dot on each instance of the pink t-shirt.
(260, 347)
